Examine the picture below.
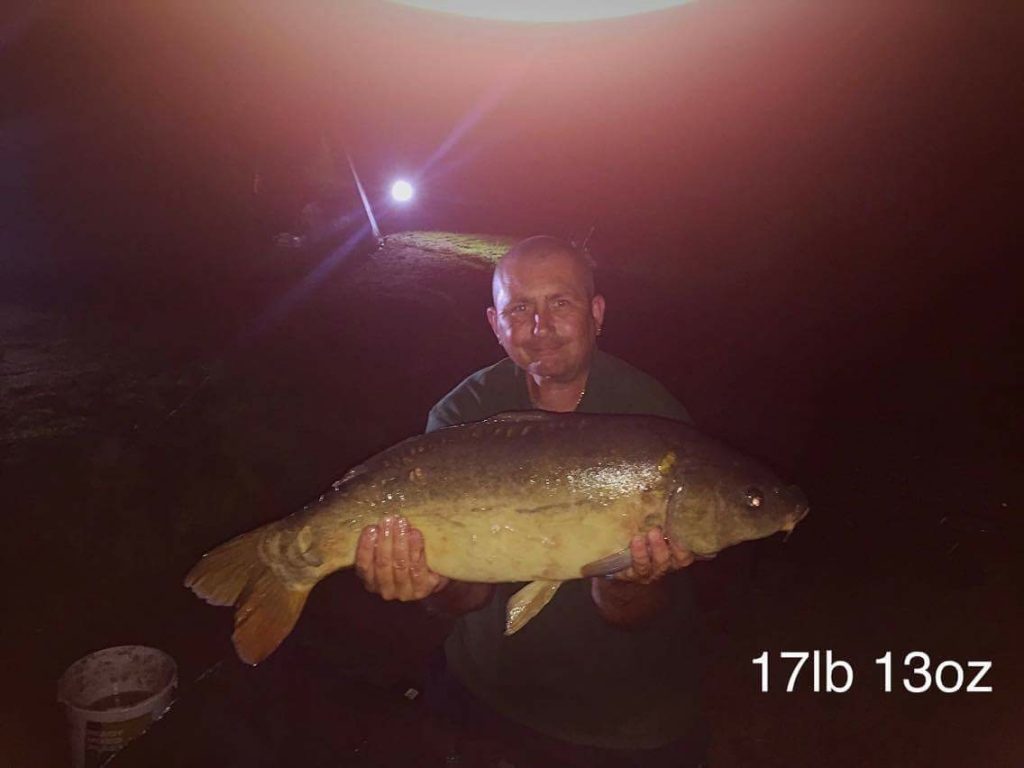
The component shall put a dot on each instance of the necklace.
(535, 404)
(580, 398)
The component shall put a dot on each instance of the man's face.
(543, 316)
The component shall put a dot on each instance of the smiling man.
(607, 674)
(547, 317)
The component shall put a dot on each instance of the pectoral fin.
(527, 603)
(620, 561)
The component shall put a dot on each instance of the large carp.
(524, 496)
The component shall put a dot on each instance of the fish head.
(719, 503)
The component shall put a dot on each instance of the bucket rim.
(64, 682)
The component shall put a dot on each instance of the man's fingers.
(425, 581)
(653, 557)
(681, 556)
(641, 557)
(382, 559)
(400, 560)
(365, 555)
(660, 553)
(415, 552)
(418, 572)
(640, 569)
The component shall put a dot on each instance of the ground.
(134, 441)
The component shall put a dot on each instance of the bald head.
(544, 248)
(546, 315)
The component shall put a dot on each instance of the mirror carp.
(522, 496)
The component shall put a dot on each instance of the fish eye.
(755, 498)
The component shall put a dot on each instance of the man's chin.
(549, 369)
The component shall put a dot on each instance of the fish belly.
(503, 544)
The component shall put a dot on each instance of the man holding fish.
(609, 673)
(559, 465)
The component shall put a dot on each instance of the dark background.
(826, 188)
(804, 216)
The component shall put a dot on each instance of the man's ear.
(492, 319)
(597, 311)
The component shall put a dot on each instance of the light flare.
(543, 10)
(401, 191)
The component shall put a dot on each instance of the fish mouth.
(802, 509)
(791, 523)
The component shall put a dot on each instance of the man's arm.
(459, 597)
(439, 418)
(631, 597)
(625, 604)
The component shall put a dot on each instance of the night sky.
(816, 180)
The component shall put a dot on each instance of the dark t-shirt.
(568, 673)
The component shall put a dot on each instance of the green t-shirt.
(569, 673)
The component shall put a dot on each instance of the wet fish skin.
(526, 496)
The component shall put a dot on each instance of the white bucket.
(112, 696)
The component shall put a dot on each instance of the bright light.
(543, 10)
(401, 191)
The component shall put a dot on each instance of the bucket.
(112, 696)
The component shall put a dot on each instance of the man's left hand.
(653, 557)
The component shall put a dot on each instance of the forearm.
(627, 604)
(459, 597)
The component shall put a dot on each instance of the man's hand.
(653, 557)
(633, 596)
(391, 562)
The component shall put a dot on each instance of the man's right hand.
(391, 562)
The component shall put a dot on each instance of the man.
(607, 673)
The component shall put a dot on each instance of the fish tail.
(267, 607)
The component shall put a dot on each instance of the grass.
(482, 250)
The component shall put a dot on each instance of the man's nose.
(541, 322)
